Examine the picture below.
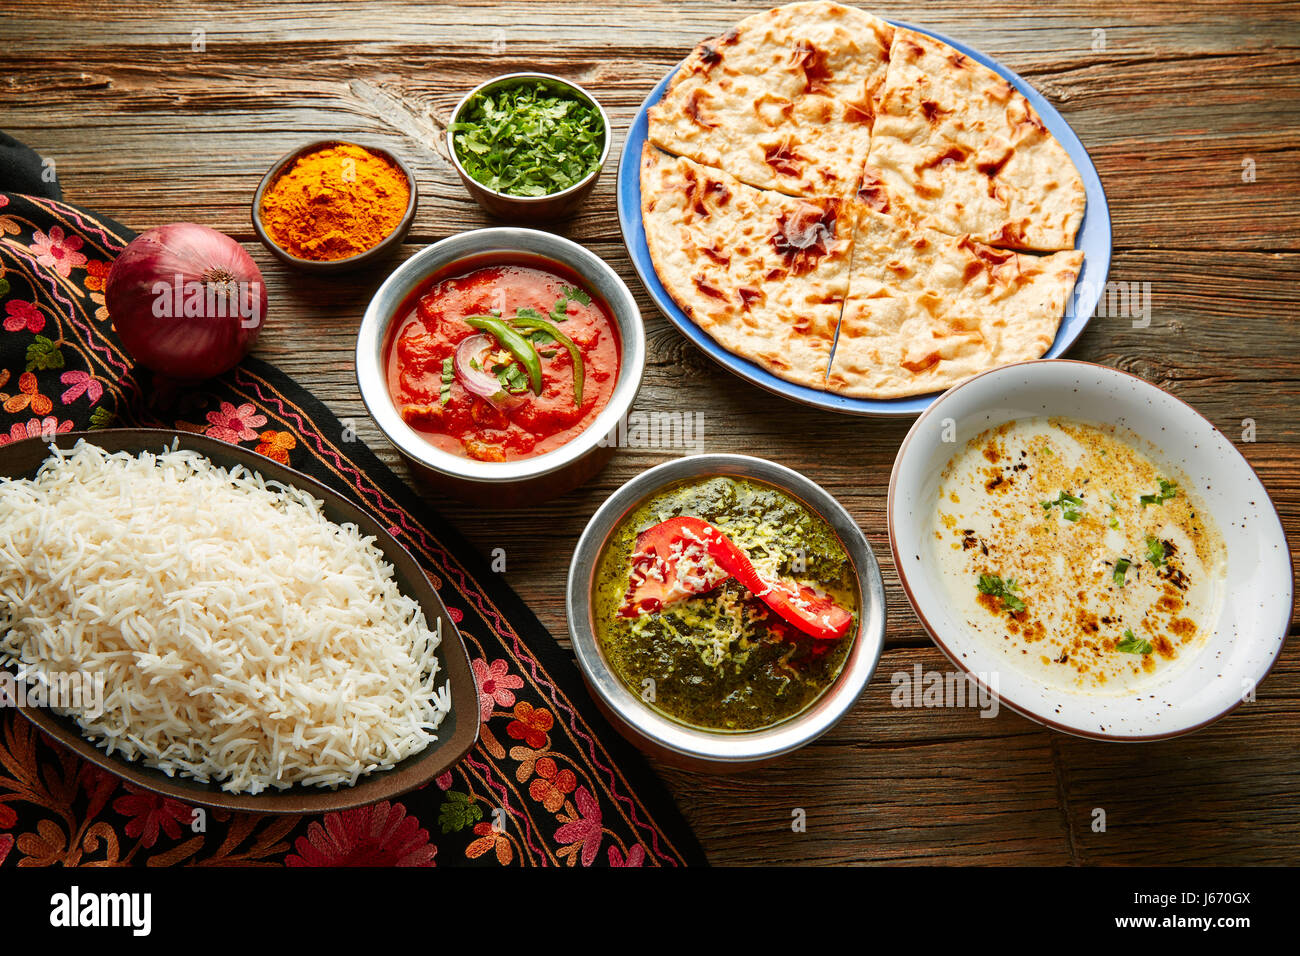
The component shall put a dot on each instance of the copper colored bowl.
(529, 208)
(380, 250)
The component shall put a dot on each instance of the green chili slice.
(518, 346)
(551, 329)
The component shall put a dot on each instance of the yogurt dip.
(1076, 556)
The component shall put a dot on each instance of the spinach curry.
(721, 660)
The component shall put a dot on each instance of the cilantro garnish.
(512, 378)
(1121, 570)
(994, 585)
(448, 376)
(1132, 644)
(1168, 489)
(528, 139)
(1069, 505)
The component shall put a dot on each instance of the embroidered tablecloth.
(565, 788)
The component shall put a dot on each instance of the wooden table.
(1191, 110)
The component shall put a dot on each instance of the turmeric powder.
(335, 202)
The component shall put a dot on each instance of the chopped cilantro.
(1132, 644)
(577, 295)
(448, 376)
(1121, 570)
(994, 585)
(1069, 505)
(1168, 489)
(512, 378)
(529, 139)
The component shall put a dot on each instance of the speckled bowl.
(1257, 608)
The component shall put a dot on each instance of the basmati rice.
(242, 636)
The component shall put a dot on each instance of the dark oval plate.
(457, 733)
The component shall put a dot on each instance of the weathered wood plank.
(1171, 100)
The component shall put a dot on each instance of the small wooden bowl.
(383, 248)
(530, 209)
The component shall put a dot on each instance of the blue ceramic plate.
(1093, 239)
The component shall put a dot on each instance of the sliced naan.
(784, 100)
(764, 274)
(959, 147)
(927, 310)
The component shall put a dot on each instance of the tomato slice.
(684, 556)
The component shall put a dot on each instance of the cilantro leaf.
(1121, 570)
(1069, 505)
(1005, 590)
(1168, 489)
(529, 139)
(1132, 644)
(448, 376)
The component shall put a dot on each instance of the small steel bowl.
(691, 747)
(384, 247)
(529, 208)
(506, 483)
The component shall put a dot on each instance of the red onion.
(186, 300)
(478, 381)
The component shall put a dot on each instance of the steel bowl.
(672, 740)
(385, 247)
(507, 483)
(529, 208)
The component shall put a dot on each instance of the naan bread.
(815, 136)
(927, 310)
(762, 273)
(784, 100)
(959, 147)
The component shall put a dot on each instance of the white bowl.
(1256, 613)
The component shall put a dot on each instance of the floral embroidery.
(234, 425)
(490, 839)
(36, 428)
(377, 835)
(28, 397)
(531, 725)
(83, 383)
(495, 685)
(635, 856)
(56, 809)
(96, 278)
(582, 831)
(23, 316)
(552, 784)
(58, 251)
(152, 814)
(276, 445)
